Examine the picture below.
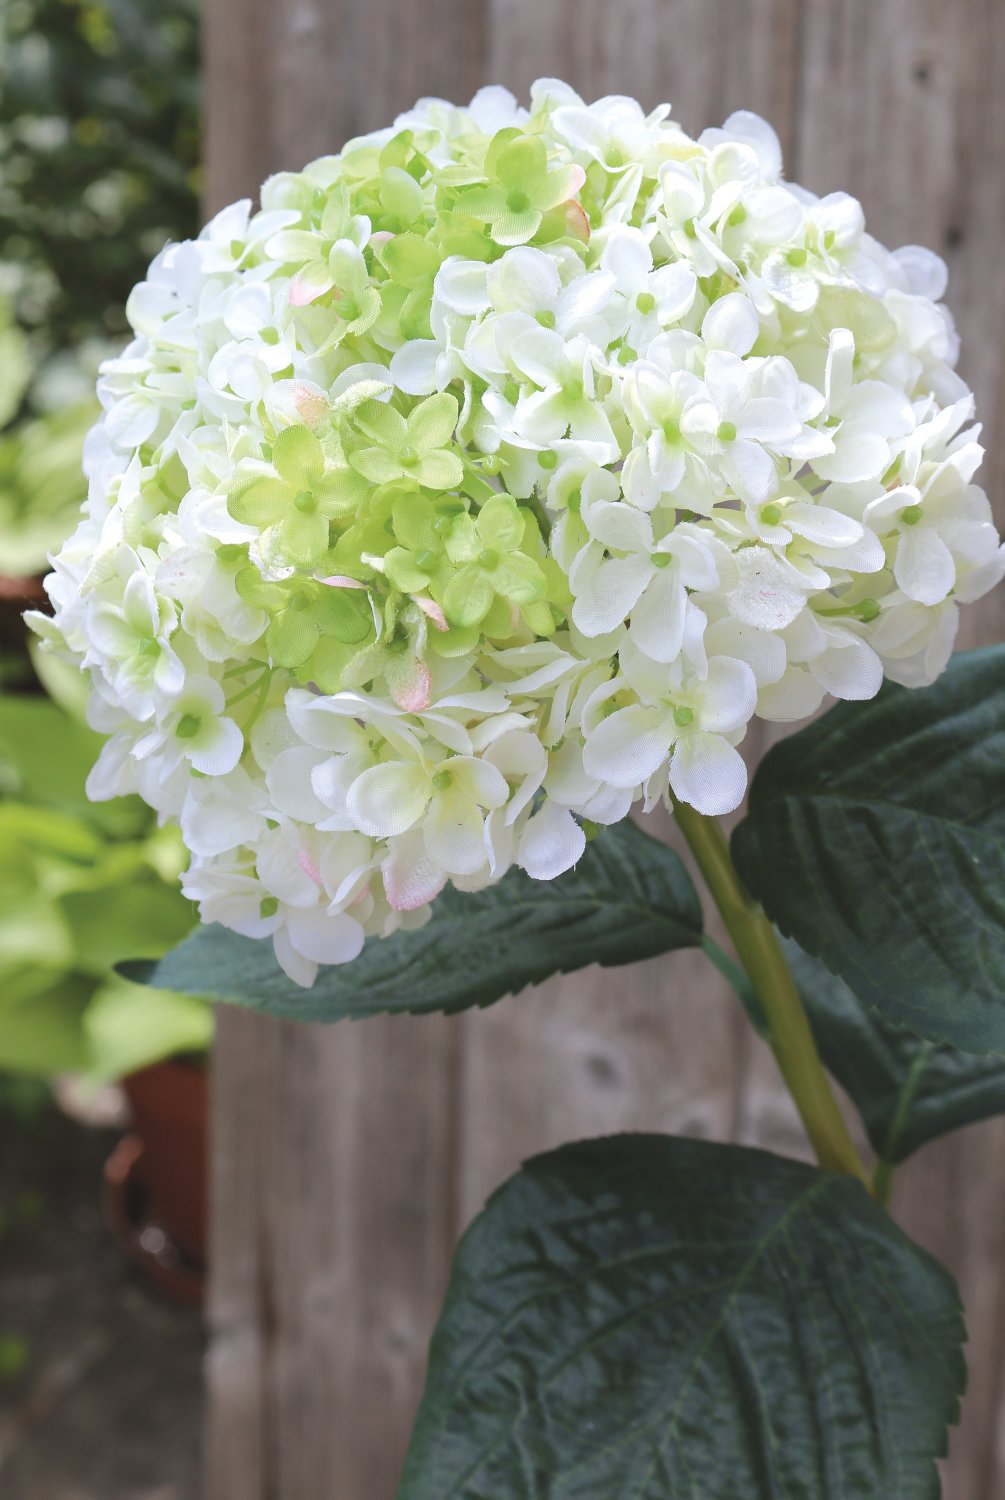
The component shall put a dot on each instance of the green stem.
(760, 953)
(882, 1182)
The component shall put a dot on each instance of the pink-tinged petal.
(310, 405)
(411, 878)
(306, 862)
(576, 221)
(341, 581)
(431, 610)
(307, 286)
(411, 686)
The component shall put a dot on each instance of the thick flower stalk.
(488, 481)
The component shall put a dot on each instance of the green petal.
(259, 501)
(462, 541)
(483, 203)
(519, 578)
(402, 571)
(377, 465)
(516, 229)
(439, 470)
(292, 637)
(468, 597)
(415, 523)
(297, 456)
(431, 424)
(340, 492)
(400, 194)
(369, 312)
(559, 186)
(380, 422)
(523, 164)
(500, 524)
(411, 260)
(295, 245)
(335, 214)
(340, 613)
(303, 540)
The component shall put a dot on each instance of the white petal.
(388, 799)
(454, 832)
(708, 773)
(924, 566)
(551, 843)
(325, 938)
(627, 748)
(731, 323)
(657, 626)
(221, 752)
(850, 669)
(289, 782)
(413, 367)
(609, 593)
(728, 695)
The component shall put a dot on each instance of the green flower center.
(671, 430)
(659, 559)
(442, 781)
(911, 515)
(546, 319)
(797, 256)
(771, 514)
(547, 459)
(188, 726)
(738, 215)
(726, 432)
(306, 503)
(682, 716)
(868, 611)
(408, 455)
(489, 558)
(517, 201)
(149, 647)
(645, 302)
(268, 906)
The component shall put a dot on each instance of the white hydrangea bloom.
(489, 480)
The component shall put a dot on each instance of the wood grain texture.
(346, 1161)
(333, 1207)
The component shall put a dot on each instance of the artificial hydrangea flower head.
(489, 480)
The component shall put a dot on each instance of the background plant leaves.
(643, 1318)
(628, 898)
(876, 838)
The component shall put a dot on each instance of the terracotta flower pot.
(156, 1179)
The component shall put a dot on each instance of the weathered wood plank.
(901, 104)
(332, 1179)
(345, 1161)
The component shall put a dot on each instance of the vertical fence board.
(346, 1161)
(901, 103)
(331, 1160)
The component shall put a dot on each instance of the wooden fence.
(348, 1159)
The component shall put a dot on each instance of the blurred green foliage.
(82, 886)
(99, 152)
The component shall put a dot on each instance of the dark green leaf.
(907, 1090)
(628, 898)
(644, 1318)
(876, 838)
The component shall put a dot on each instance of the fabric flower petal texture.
(508, 465)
